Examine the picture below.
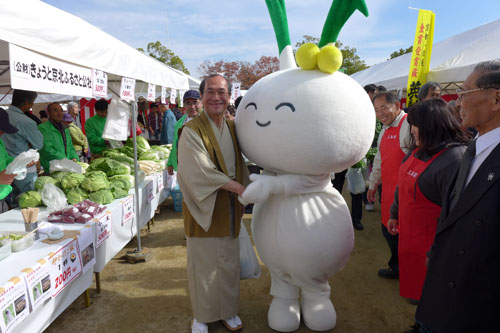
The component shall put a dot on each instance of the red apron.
(417, 226)
(391, 156)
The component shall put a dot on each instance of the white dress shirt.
(484, 146)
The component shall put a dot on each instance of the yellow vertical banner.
(421, 55)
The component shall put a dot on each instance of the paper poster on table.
(38, 283)
(128, 209)
(13, 303)
(151, 92)
(65, 266)
(127, 89)
(150, 194)
(103, 228)
(159, 183)
(87, 248)
(173, 96)
(99, 84)
(33, 71)
(163, 98)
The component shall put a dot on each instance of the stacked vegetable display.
(106, 178)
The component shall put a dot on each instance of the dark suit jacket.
(462, 288)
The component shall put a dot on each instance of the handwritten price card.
(66, 265)
(128, 210)
(103, 226)
(127, 89)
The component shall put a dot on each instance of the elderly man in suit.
(462, 288)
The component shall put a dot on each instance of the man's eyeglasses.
(461, 92)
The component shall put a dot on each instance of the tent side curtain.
(40, 27)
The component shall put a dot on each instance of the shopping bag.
(249, 264)
(18, 165)
(355, 180)
(65, 165)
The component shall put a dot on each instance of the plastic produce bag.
(116, 127)
(355, 180)
(18, 165)
(172, 181)
(249, 264)
(53, 197)
(65, 165)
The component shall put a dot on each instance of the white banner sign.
(235, 91)
(87, 248)
(163, 95)
(36, 72)
(128, 209)
(159, 182)
(151, 92)
(181, 98)
(99, 84)
(103, 228)
(150, 194)
(127, 89)
(173, 96)
(38, 282)
(13, 303)
(66, 265)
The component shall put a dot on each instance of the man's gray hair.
(72, 105)
(489, 80)
(488, 66)
(424, 90)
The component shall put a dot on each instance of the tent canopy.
(39, 27)
(452, 59)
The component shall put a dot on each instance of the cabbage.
(118, 191)
(42, 180)
(149, 156)
(126, 181)
(83, 165)
(120, 157)
(109, 166)
(76, 195)
(102, 197)
(142, 144)
(95, 181)
(58, 175)
(30, 199)
(72, 180)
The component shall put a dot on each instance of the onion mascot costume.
(300, 124)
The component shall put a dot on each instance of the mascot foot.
(284, 314)
(319, 314)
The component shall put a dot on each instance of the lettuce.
(42, 180)
(95, 181)
(72, 180)
(102, 197)
(76, 195)
(30, 199)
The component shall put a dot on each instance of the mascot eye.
(251, 104)
(289, 105)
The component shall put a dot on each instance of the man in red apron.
(392, 148)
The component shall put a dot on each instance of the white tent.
(39, 27)
(452, 59)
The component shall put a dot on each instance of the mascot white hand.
(301, 124)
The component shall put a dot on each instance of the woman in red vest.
(438, 143)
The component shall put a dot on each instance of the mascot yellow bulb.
(300, 124)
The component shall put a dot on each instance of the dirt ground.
(153, 296)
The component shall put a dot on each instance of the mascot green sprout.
(300, 124)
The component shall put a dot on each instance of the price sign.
(127, 89)
(66, 265)
(159, 182)
(173, 96)
(103, 226)
(151, 92)
(181, 97)
(37, 280)
(128, 210)
(13, 303)
(99, 84)
(163, 95)
(150, 195)
(87, 248)
(235, 90)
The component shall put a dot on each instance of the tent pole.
(133, 107)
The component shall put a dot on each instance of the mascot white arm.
(301, 124)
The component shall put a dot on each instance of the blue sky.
(199, 30)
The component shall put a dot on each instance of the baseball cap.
(5, 125)
(191, 94)
(67, 118)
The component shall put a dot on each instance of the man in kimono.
(211, 174)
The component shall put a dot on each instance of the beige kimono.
(213, 262)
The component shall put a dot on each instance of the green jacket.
(172, 158)
(78, 138)
(94, 127)
(53, 145)
(5, 159)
